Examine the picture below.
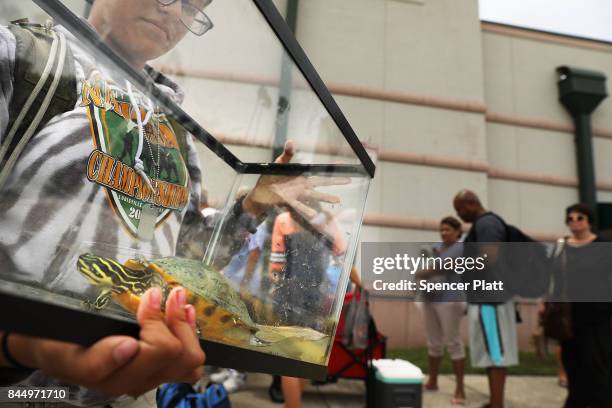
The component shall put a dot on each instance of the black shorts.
(297, 303)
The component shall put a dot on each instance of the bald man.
(492, 326)
(468, 206)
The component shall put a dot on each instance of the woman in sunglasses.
(578, 220)
(586, 354)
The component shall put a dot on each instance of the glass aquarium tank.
(164, 143)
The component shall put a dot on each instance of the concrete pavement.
(521, 392)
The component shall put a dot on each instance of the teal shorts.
(493, 337)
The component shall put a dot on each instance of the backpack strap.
(471, 237)
(33, 48)
(496, 216)
(504, 223)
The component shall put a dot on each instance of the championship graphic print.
(114, 127)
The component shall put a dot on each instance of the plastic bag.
(182, 395)
(357, 320)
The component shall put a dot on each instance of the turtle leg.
(101, 301)
(165, 291)
(257, 341)
(155, 280)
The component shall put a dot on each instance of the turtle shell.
(220, 313)
(215, 300)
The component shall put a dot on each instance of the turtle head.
(133, 277)
(95, 268)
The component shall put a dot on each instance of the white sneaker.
(221, 376)
(235, 382)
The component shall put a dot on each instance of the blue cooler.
(397, 384)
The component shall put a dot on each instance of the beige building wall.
(521, 83)
(402, 47)
(453, 103)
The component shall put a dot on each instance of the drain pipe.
(87, 11)
(580, 92)
(284, 87)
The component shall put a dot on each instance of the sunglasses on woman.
(575, 218)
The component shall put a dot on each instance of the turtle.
(221, 314)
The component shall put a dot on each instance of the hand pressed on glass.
(294, 191)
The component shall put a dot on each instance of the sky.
(582, 18)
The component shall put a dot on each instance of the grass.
(529, 363)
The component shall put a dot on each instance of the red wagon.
(345, 362)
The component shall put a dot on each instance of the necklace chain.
(155, 164)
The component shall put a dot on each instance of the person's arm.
(278, 254)
(168, 350)
(339, 243)
(354, 277)
(252, 261)
(9, 374)
(256, 246)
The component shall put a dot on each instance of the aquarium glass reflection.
(110, 184)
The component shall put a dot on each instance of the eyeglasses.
(192, 17)
(576, 218)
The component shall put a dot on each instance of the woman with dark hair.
(443, 311)
(587, 352)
